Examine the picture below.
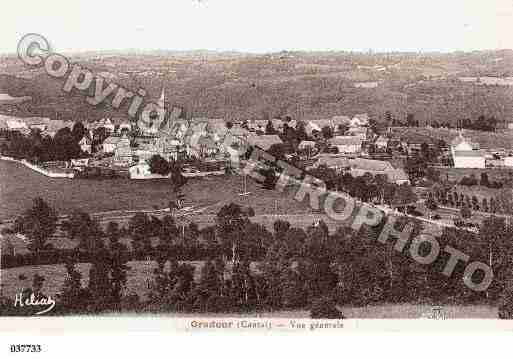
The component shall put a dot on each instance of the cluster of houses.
(24, 125)
(468, 154)
(128, 144)
(131, 144)
(462, 151)
(359, 166)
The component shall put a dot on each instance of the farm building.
(13, 244)
(265, 141)
(303, 145)
(86, 144)
(360, 166)
(360, 120)
(123, 155)
(381, 143)
(346, 144)
(109, 145)
(465, 154)
(142, 171)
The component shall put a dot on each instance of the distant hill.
(300, 84)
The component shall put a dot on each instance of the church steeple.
(162, 99)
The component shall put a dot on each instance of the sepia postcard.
(256, 166)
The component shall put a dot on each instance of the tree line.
(248, 268)
(36, 147)
(500, 204)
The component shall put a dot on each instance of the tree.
(343, 128)
(506, 305)
(100, 134)
(415, 166)
(79, 222)
(250, 212)
(293, 294)
(210, 280)
(404, 196)
(231, 221)
(410, 120)
(301, 131)
(325, 308)
(327, 132)
(139, 228)
(159, 165)
(280, 228)
(269, 128)
(177, 178)
(99, 282)
(494, 234)
(433, 174)
(465, 212)
(38, 224)
(380, 181)
(289, 136)
(506, 298)
(271, 268)
(66, 145)
(484, 205)
(73, 296)
(278, 150)
(475, 203)
(270, 178)
(450, 199)
(484, 179)
(431, 204)
(118, 262)
(90, 236)
(424, 150)
(78, 131)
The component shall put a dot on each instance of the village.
(178, 173)
(116, 146)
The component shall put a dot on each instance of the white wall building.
(346, 144)
(142, 171)
(508, 161)
(381, 143)
(110, 143)
(465, 154)
(86, 145)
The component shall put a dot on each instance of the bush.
(465, 212)
(506, 305)
(325, 308)
(250, 212)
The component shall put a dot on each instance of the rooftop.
(265, 141)
(345, 140)
(469, 154)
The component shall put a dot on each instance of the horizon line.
(369, 51)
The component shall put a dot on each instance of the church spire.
(162, 99)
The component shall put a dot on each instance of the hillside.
(486, 140)
(303, 85)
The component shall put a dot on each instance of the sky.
(261, 26)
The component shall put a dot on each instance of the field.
(19, 185)
(138, 275)
(140, 272)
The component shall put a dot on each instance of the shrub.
(250, 212)
(325, 308)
